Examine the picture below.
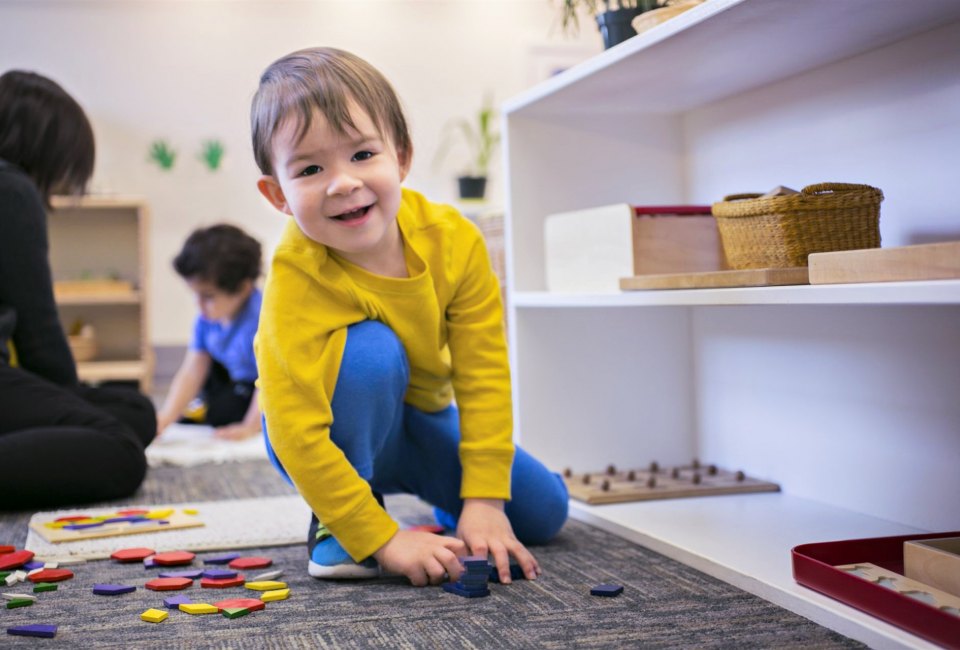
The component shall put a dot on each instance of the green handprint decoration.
(163, 154)
(212, 154)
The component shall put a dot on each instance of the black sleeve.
(26, 283)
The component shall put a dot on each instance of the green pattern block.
(235, 612)
(44, 586)
(19, 602)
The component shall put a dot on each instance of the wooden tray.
(717, 279)
(921, 262)
(815, 566)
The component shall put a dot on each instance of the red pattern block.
(7, 549)
(250, 563)
(132, 554)
(223, 583)
(253, 604)
(51, 575)
(168, 584)
(131, 513)
(73, 518)
(174, 558)
(15, 559)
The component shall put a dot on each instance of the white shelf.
(104, 298)
(726, 47)
(939, 292)
(105, 370)
(746, 540)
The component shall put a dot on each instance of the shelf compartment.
(726, 47)
(746, 540)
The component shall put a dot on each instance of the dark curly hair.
(222, 255)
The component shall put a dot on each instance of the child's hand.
(238, 431)
(424, 558)
(486, 529)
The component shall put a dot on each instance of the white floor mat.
(237, 523)
(187, 445)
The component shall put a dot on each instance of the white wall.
(185, 70)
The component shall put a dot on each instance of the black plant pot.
(472, 187)
(615, 25)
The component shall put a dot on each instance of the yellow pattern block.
(198, 608)
(191, 511)
(276, 594)
(154, 616)
(266, 585)
(159, 514)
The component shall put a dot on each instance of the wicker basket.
(84, 344)
(781, 231)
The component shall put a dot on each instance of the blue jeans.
(399, 448)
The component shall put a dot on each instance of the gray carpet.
(664, 605)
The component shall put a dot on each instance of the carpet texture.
(664, 604)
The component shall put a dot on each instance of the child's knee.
(374, 360)
(542, 523)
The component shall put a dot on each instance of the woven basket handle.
(829, 188)
(737, 197)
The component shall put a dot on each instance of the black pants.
(227, 400)
(63, 446)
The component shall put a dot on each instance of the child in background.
(381, 307)
(221, 265)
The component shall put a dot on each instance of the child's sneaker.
(329, 560)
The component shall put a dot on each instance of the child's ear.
(405, 158)
(272, 192)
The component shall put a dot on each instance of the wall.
(186, 70)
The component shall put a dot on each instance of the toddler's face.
(342, 190)
(216, 304)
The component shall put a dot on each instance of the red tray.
(813, 566)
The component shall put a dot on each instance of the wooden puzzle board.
(230, 524)
(904, 585)
(176, 521)
(668, 483)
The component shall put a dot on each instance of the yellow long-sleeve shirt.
(449, 317)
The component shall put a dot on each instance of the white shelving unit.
(845, 395)
(103, 236)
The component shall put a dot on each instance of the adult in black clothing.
(61, 442)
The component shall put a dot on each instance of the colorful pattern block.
(253, 604)
(608, 591)
(51, 575)
(250, 563)
(44, 586)
(221, 559)
(269, 575)
(41, 631)
(19, 602)
(219, 574)
(113, 590)
(199, 608)
(168, 584)
(174, 602)
(235, 612)
(15, 560)
(174, 558)
(276, 594)
(154, 616)
(222, 583)
(132, 554)
(266, 585)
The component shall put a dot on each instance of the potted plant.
(613, 16)
(481, 138)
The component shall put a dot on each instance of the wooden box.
(590, 250)
(934, 562)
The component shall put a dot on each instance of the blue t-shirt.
(231, 345)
